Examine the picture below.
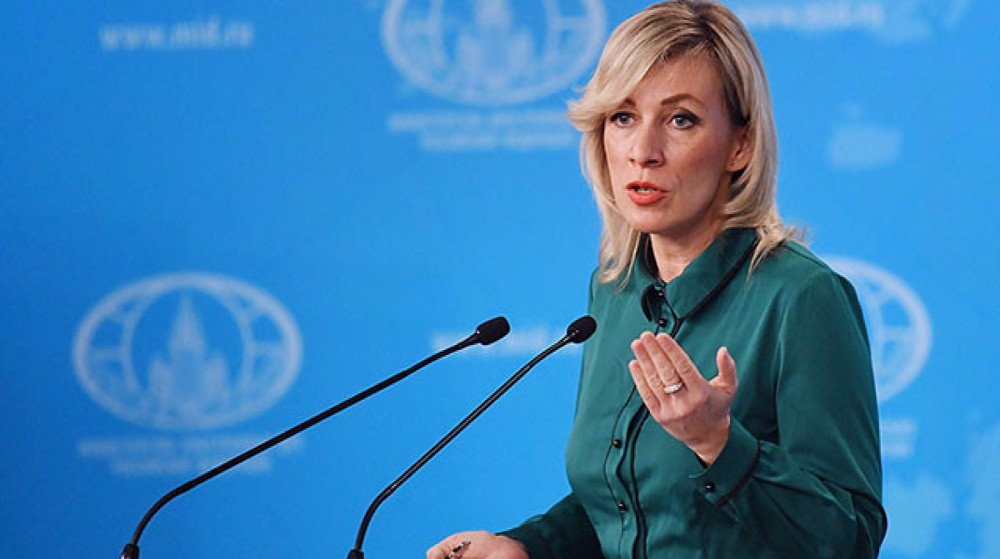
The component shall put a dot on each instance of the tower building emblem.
(187, 351)
(492, 52)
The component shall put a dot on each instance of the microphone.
(578, 331)
(485, 334)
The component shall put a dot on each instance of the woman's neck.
(673, 255)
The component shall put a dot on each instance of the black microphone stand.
(487, 333)
(578, 331)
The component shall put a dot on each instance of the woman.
(726, 405)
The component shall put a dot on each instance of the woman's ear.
(742, 150)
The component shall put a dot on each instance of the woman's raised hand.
(695, 411)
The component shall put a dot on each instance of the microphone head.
(492, 330)
(581, 329)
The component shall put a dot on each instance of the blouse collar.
(703, 278)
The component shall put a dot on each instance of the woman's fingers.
(454, 546)
(477, 545)
(655, 364)
(650, 395)
(439, 550)
(726, 380)
(679, 363)
(665, 363)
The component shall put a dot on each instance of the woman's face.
(671, 150)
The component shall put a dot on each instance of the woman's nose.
(647, 148)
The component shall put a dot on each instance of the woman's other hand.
(482, 545)
(693, 410)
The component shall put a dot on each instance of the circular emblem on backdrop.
(187, 351)
(492, 52)
(898, 324)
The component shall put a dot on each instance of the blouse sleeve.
(816, 491)
(564, 532)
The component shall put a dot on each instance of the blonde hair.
(644, 40)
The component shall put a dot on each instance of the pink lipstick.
(645, 193)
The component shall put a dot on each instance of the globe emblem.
(898, 325)
(492, 52)
(187, 351)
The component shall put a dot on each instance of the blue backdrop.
(218, 218)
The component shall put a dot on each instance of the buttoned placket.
(646, 304)
(618, 465)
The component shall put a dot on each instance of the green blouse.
(800, 476)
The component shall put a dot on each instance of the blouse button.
(617, 443)
(662, 322)
(710, 487)
(622, 507)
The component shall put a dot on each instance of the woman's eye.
(621, 118)
(684, 120)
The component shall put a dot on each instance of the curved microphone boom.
(578, 331)
(485, 334)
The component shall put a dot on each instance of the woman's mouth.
(644, 193)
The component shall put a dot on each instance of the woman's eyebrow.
(671, 100)
(675, 99)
